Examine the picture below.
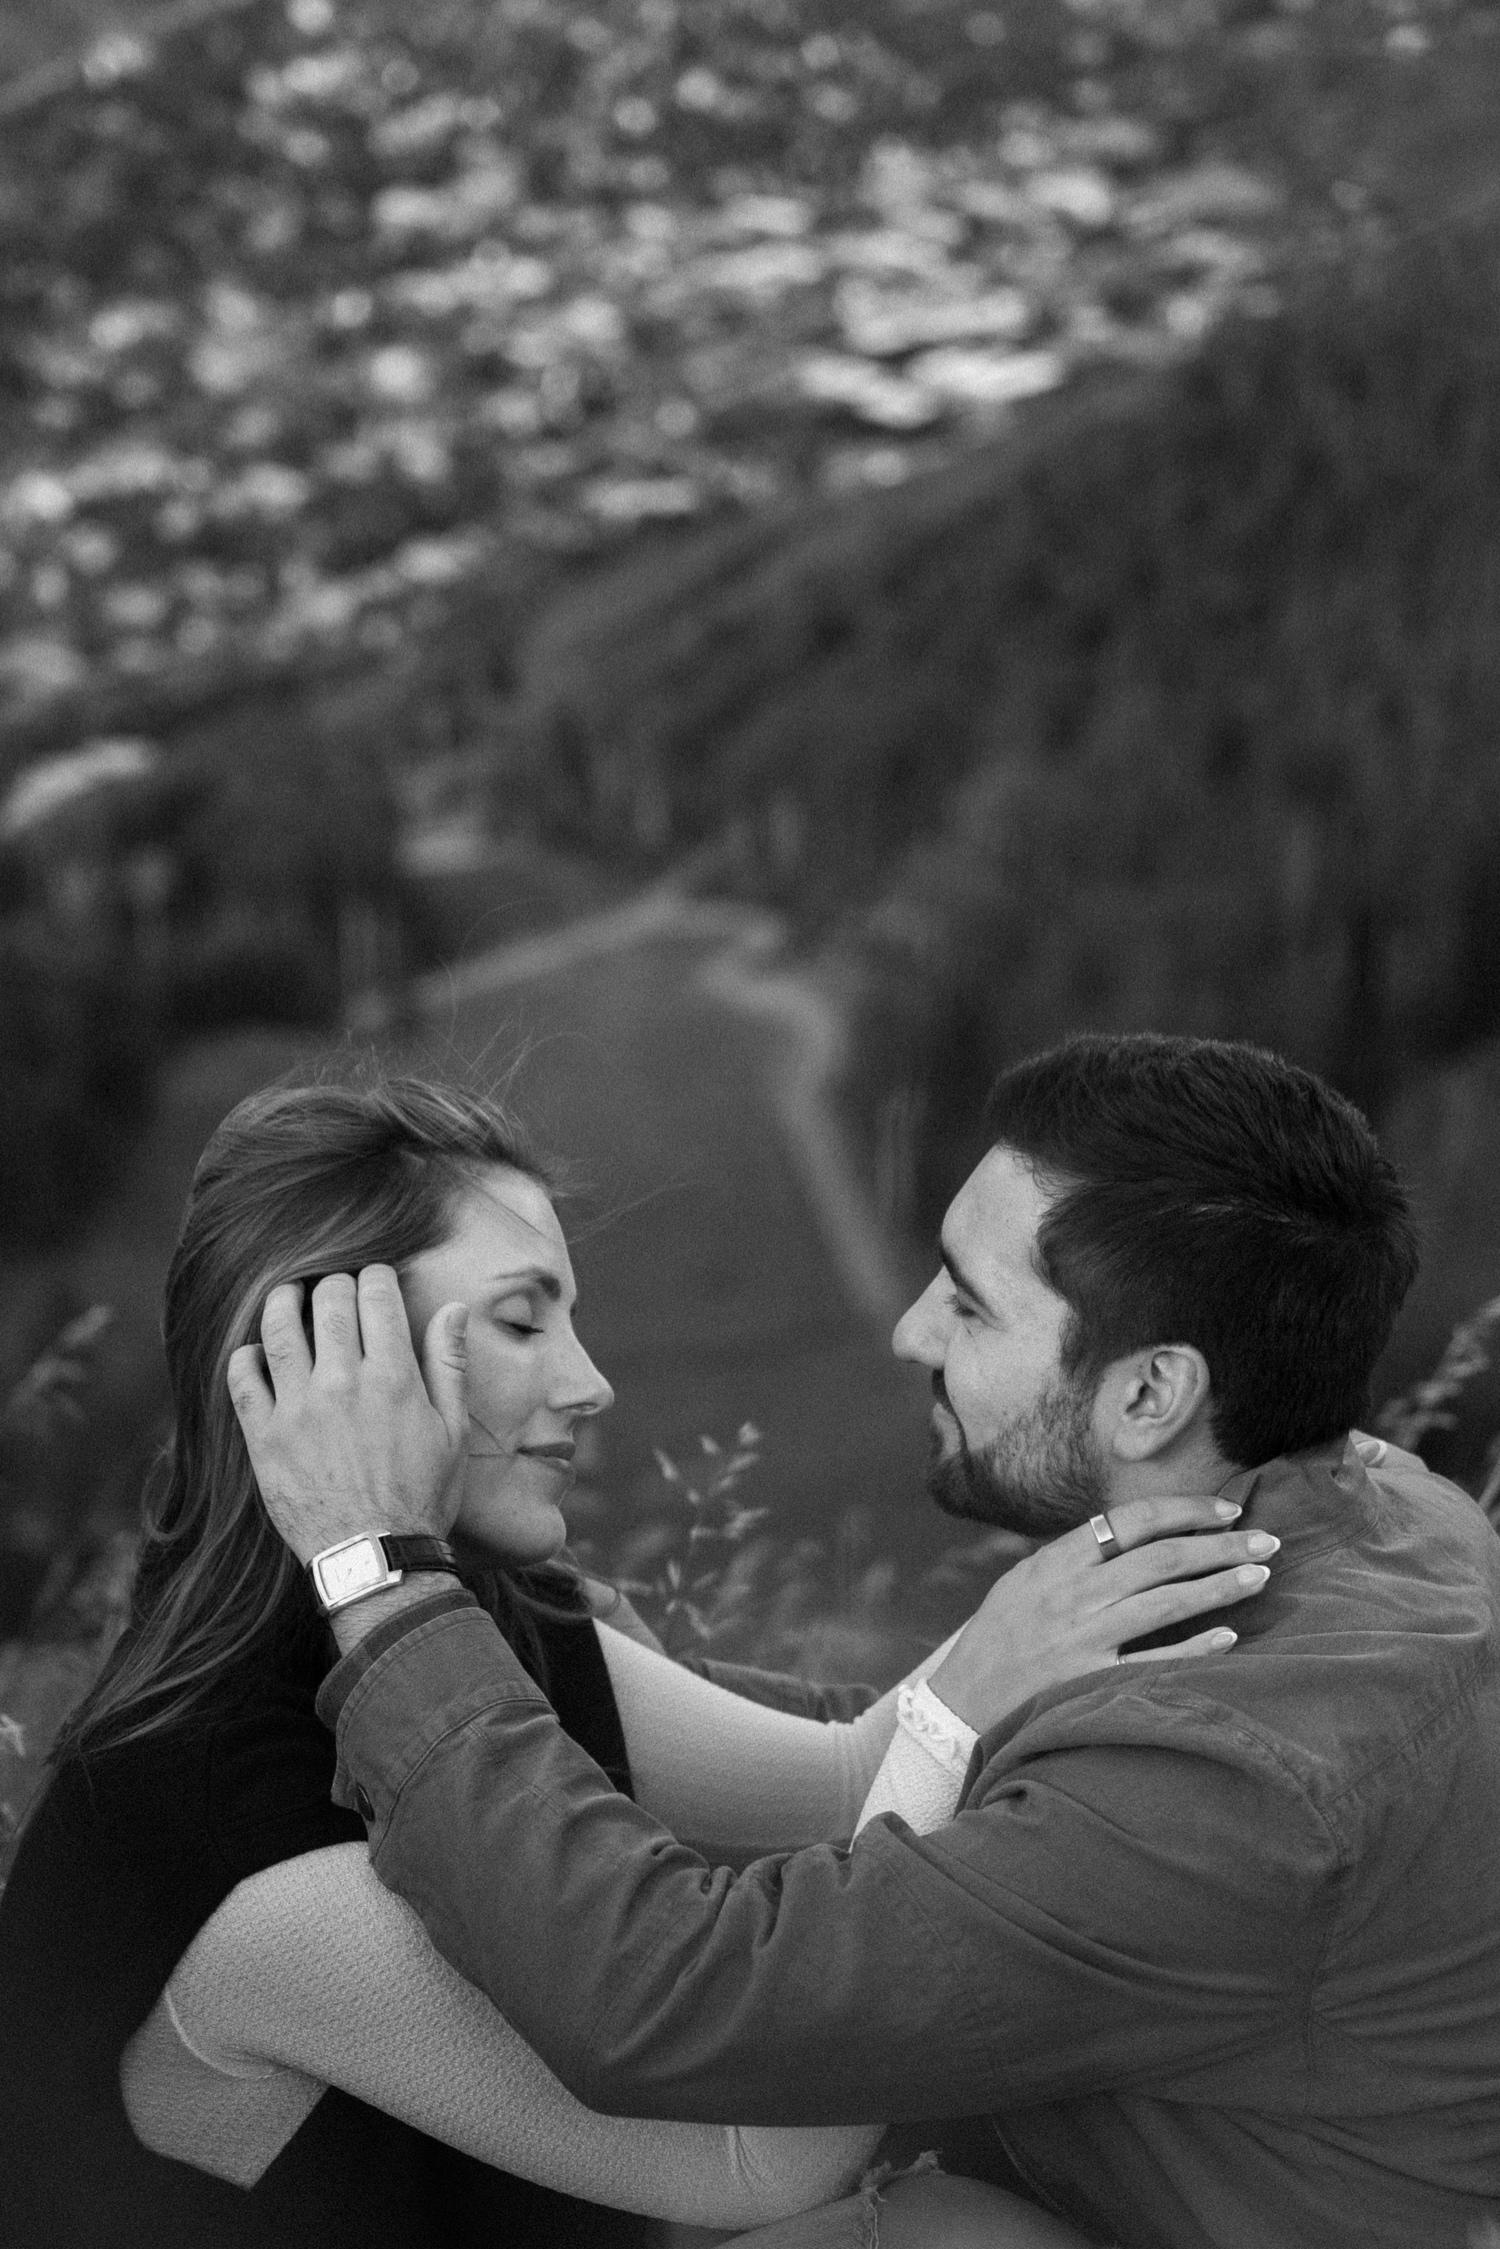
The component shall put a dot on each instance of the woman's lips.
(556, 1456)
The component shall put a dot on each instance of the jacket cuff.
(429, 1681)
(350, 1669)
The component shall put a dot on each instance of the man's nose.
(920, 1332)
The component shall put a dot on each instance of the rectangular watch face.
(351, 1569)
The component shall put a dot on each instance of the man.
(1217, 1945)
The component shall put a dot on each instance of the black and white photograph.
(750, 1124)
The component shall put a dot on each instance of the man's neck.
(1197, 1471)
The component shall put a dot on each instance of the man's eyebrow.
(537, 1275)
(960, 1278)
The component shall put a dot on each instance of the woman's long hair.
(298, 1181)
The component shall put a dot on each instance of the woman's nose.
(580, 1387)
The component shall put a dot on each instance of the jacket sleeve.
(1079, 1925)
(782, 1690)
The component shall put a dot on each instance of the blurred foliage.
(714, 1576)
(1236, 770)
(1432, 1405)
(45, 1444)
(341, 344)
(1178, 709)
(80, 1052)
(68, 1593)
(74, 1623)
(47, 1395)
(701, 1587)
(250, 878)
(313, 310)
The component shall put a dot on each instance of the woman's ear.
(1152, 1399)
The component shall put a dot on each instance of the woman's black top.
(127, 1856)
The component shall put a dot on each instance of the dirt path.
(730, 1264)
(731, 1267)
(805, 1046)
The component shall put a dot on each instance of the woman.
(219, 2028)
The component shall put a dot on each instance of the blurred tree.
(289, 904)
(79, 1051)
(1237, 771)
(1177, 708)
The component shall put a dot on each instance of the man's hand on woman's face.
(1066, 1610)
(350, 1435)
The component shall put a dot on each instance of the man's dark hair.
(1210, 1193)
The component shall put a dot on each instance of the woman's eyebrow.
(536, 1275)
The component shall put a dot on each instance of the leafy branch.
(45, 1407)
(50, 1391)
(706, 1577)
(1407, 1418)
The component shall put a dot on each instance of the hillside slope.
(316, 314)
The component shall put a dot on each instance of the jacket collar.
(1312, 1501)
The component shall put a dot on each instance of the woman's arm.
(311, 1973)
(736, 1776)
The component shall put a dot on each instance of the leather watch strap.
(417, 1551)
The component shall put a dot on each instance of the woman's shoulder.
(246, 1776)
(149, 1783)
(269, 1779)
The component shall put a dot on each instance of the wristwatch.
(357, 1567)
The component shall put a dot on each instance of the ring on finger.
(1103, 1530)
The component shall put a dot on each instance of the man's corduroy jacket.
(1216, 1942)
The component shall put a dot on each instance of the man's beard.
(1041, 1476)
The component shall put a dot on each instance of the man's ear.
(1150, 1400)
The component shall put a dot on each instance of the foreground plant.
(711, 1574)
(39, 1418)
(41, 1680)
(1431, 1404)
(707, 1575)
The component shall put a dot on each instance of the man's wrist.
(352, 1625)
(356, 1568)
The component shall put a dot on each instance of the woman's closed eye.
(517, 1315)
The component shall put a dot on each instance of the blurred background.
(764, 557)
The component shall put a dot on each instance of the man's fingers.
(282, 1339)
(445, 1367)
(384, 1328)
(249, 1391)
(335, 1318)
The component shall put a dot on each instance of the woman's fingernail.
(1261, 1542)
(1254, 1573)
(1222, 1639)
(1228, 1508)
